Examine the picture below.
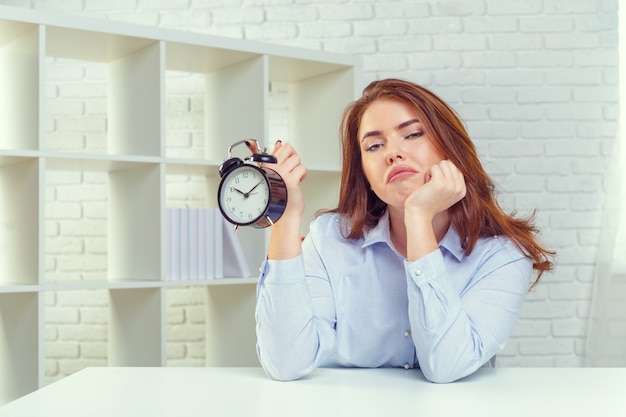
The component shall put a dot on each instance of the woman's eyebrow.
(407, 123)
(400, 126)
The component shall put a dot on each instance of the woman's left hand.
(444, 186)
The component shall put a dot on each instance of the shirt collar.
(452, 243)
(380, 234)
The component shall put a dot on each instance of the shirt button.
(406, 366)
(407, 333)
(418, 272)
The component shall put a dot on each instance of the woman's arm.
(456, 333)
(291, 341)
(285, 233)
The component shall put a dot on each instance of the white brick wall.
(535, 81)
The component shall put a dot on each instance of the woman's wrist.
(285, 240)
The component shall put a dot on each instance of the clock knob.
(263, 157)
(229, 164)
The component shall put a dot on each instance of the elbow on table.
(281, 369)
(437, 378)
(444, 374)
(283, 375)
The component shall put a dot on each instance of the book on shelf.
(202, 245)
(236, 265)
(218, 239)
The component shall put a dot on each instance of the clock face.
(244, 194)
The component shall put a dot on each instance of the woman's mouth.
(399, 172)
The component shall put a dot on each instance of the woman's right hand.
(285, 240)
(290, 168)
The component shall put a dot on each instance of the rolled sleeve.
(287, 271)
(426, 269)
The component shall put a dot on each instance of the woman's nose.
(394, 151)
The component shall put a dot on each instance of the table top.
(239, 392)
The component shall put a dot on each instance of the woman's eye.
(415, 135)
(373, 147)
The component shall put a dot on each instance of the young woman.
(417, 266)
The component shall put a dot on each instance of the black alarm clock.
(251, 194)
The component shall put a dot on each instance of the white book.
(192, 234)
(202, 238)
(209, 247)
(184, 244)
(235, 263)
(218, 250)
(173, 243)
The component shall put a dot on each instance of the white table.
(244, 392)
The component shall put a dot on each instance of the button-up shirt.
(360, 303)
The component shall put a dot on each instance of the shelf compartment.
(184, 115)
(102, 220)
(229, 89)
(293, 69)
(136, 102)
(20, 345)
(93, 46)
(316, 105)
(77, 95)
(20, 219)
(136, 327)
(75, 326)
(235, 106)
(202, 59)
(125, 80)
(230, 320)
(20, 80)
(321, 187)
(11, 30)
(196, 186)
(136, 225)
(76, 221)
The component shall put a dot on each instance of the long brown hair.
(477, 214)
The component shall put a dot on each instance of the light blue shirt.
(359, 303)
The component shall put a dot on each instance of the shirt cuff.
(426, 269)
(276, 272)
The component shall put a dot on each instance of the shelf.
(20, 101)
(123, 285)
(19, 344)
(93, 45)
(20, 221)
(105, 125)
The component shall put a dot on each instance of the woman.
(416, 267)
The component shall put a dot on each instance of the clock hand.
(241, 192)
(248, 193)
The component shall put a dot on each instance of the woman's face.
(396, 151)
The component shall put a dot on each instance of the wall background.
(536, 82)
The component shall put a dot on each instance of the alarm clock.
(249, 193)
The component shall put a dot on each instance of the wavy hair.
(477, 214)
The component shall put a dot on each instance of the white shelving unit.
(238, 75)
